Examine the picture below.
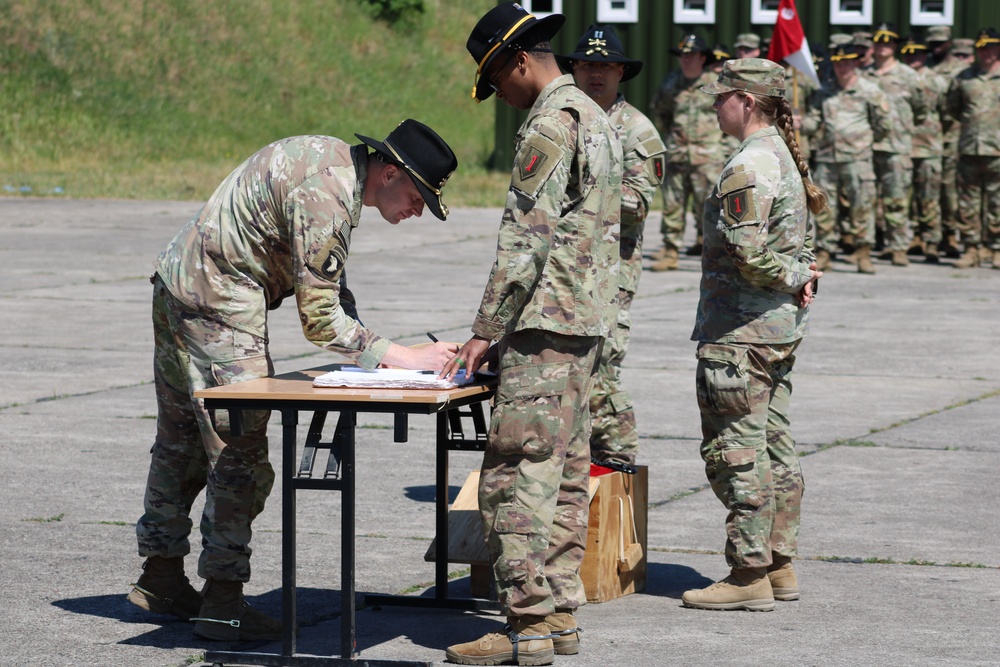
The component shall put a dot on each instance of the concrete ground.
(896, 411)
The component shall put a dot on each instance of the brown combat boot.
(565, 632)
(996, 259)
(666, 263)
(931, 254)
(525, 640)
(969, 258)
(745, 588)
(863, 258)
(225, 615)
(784, 583)
(164, 589)
(659, 254)
(899, 258)
(823, 259)
(985, 256)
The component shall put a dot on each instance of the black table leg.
(289, 425)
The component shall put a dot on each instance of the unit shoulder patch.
(328, 262)
(534, 164)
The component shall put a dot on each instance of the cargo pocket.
(241, 370)
(732, 472)
(528, 416)
(722, 379)
(512, 526)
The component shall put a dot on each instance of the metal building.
(649, 28)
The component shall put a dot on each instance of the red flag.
(789, 42)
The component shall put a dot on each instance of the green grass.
(161, 99)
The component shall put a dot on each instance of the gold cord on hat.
(888, 34)
(986, 39)
(490, 53)
(412, 171)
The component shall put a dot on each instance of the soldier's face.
(987, 55)
(729, 111)
(882, 51)
(916, 60)
(599, 80)
(692, 64)
(747, 52)
(844, 70)
(399, 198)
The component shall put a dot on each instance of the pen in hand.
(432, 337)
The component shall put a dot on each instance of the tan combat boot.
(666, 263)
(565, 632)
(996, 259)
(784, 583)
(745, 588)
(899, 258)
(525, 640)
(659, 254)
(863, 258)
(164, 589)
(931, 254)
(969, 258)
(226, 616)
(822, 260)
(985, 256)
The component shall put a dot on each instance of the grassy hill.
(160, 99)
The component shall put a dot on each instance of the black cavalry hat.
(692, 44)
(987, 36)
(424, 155)
(600, 44)
(506, 26)
(886, 32)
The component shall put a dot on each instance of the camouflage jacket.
(280, 224)
(928, 136)
(757, 248)
(686, 120)
(905, 90)
(974, 99)
(949, 68)
(557, 248)
(642, 172)
(844, 123)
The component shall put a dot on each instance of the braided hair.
(779, 112)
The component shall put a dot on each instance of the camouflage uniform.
(279, 225)
(928, 149)
(974, 99)
(696, 149)
(843, 125)
(893, 164)
(756, 260)
(551, 296)
(949, 68)
(613, 435)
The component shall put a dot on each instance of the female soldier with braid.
(758, 279)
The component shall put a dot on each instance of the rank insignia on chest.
(739, 205)
(532, 163)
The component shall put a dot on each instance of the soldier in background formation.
(598, 65)
(973, 100)
(695, 150)
(847, 116)
(928, 151)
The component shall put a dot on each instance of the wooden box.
(615, 498)
(615, 561)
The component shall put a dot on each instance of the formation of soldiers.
(903, 133)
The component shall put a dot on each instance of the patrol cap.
(862, 38)
(986, 37)
(751, 75)
(691, 44)
(885, 32)
(505, 27)
(963, 47)
(843, 52)
(747, 40)
(840, 39)
(912, 45)
(938, 33)
(600, 44)
(425, 157)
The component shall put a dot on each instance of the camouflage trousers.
(533, 490)
(979, 200)
(613, 434)
(682, 182)
(854, 183)
(894, 175)
(749, 453)
(194, 449)
(925, 206)
(949, 190)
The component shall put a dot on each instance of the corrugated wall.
(651, 38)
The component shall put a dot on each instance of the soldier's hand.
(808, 292)
(469, 357)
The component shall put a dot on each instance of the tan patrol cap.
(747, 40)
(963, 47)
(751, 75)
(939, 33)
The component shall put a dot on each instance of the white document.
(389, 378)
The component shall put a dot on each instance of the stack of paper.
(389, 378)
